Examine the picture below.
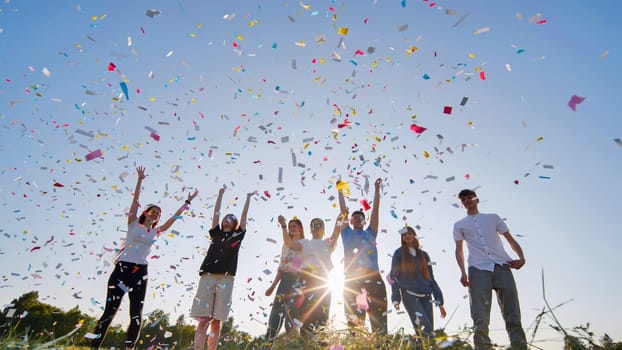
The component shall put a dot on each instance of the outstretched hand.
(282, 221)
(378, 183)
(191, 196)
(140, 170)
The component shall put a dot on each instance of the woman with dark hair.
(212, 302)
(284, 309)
(414, 284)
(130, 272)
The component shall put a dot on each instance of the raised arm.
(245, 210)
(165, 226)
(515, 264)
(340, 224)
(464, 278)
(287, 240)
(216, 216)
(132, 215)
(342, 200)
(373, 221)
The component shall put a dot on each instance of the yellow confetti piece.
(306, 7)
(374, 64)
(93, 18)
(343, 187)
(426, 154)
(199, 26)
(540, 138)
(322, 60)
(471, 55)
(192, 35)
(300, 43)
(342, 31)
(152, 99)
(239, 37)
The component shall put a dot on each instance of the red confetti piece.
(516, 182)
(543, 21)
(155, 136)
(365, 204)
(482, 75)
(418, 129)
(447, 109)
(58, 184)
(266, 193)
(35, 248)
(359, 52)
(111, 67)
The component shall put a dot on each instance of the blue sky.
(236, 97)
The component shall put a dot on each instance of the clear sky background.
(242, 91)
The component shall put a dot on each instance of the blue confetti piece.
(403, 3)
(124, 89)
(393, 214)
(426, 77)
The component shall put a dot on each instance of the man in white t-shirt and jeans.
(488, 269)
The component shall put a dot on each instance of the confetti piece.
(482, 75)
(574, 101)
(402, 28)
(155, 136)
(46, 72)
(481, 30)
(111, 67)
(603, 54)
(365, 204)
(124, 89)
(618, 142)
(342, 31)
(418, 129)
(35, 248)
(58, 184)
(152, 13)
(426, 77)
(447, 109)
(343, 187)
(93, 155)
(464, 101)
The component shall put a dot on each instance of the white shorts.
(213, 297)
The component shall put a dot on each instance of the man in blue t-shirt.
(364, 291)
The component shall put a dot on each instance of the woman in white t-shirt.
(130, 272)
(314, 270)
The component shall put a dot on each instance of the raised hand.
(140, 170)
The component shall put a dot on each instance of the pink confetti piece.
(482, 75)
(574, 101)
(93, 155)
(155, 136)
(418, 129)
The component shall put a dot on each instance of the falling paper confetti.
(574, 101)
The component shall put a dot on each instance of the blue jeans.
(422, 305)
(481, 285)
